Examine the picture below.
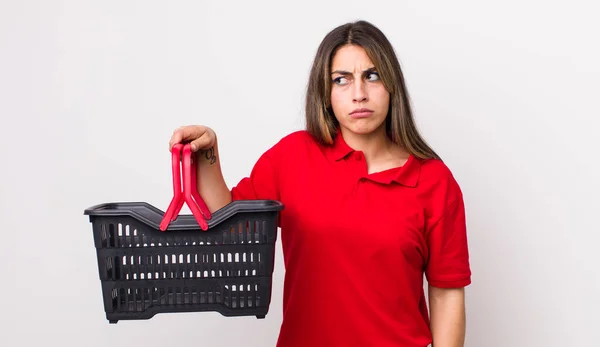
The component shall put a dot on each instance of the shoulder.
(295, 145)
(439, 179)
(435, 169)
(296, 141)
(299, 137)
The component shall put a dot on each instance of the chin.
(363, 128)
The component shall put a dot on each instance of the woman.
(369, 207)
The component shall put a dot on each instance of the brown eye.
(340, 81)
(372, 76)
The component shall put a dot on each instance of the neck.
(373, 145)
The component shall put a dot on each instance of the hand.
(200, 137)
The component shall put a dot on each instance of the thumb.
(203, 142)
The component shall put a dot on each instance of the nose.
(359, 91)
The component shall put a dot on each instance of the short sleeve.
(448, 263)
(262, 183)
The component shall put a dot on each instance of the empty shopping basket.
(151, 262)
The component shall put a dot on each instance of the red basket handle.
(189, 192)
(177, 201)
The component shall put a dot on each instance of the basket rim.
(152, 216)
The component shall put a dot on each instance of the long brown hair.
(320, 120)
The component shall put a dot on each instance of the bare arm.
(448, 321)
(211, 185)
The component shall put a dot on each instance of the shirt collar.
(339, 149)
(407, 175)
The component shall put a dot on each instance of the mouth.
(361, 113)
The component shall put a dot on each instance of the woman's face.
(359, 100)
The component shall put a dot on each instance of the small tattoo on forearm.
(210, 155)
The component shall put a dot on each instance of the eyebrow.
(344, 73)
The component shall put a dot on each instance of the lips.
(361, 113)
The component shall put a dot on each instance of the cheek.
(337, 101)
(381, 97)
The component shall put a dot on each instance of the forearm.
(211, 184)
(448, 321)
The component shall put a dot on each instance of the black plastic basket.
(226, 268)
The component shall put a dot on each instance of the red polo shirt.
(356, 245)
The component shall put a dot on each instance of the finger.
(186, 134)
(203, 142)
(175, 138)
(191, 133)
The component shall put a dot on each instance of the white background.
(90, 91)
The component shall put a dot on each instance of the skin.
(448, 321)
(355, 85)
